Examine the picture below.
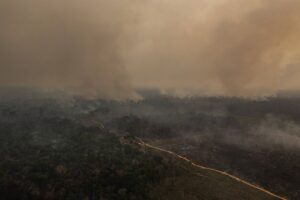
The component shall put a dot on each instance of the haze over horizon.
(186, 47)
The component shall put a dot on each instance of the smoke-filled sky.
(111, 47)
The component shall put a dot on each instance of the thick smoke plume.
(221, 47)
(230, 47)
(64, 44)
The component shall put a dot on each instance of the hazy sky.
(110, 47)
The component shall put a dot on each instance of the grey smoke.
(272, 133)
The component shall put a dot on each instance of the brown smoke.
(223, 47)
(229, 47)
(64, 44)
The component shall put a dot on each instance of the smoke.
(68, 45)
(224, 47)
(271, 133)
(220, 47)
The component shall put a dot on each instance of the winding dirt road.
(142, 143)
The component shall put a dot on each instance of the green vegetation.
(48, 152)
(61, 148)
(69, 161)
